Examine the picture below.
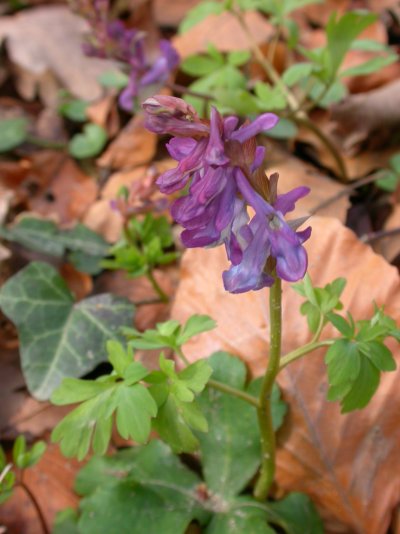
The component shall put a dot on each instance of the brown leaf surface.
(54, 54)
(134, 145)
(51, 481)
(389, 247)
(224, 32)
(167, 13)
(348, 464)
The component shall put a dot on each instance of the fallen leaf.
(80, 284)
(348, 464)
(170, 14)
(104, 113)
(51, 481)
(54, 53)
(224, 32)
(101, 218)
(389, 247)
(294, 172)
(68, 194)
(133, 146)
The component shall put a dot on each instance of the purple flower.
(225, 170)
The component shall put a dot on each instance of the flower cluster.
(224, 168)
(111, 39)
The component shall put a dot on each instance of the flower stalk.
(264, 411)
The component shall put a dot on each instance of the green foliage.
(58, 337)
(13, 132)
(355, 361)
(148, 488)
(199, 13)
(89, 143)
(389, 178)
(143, 246)
(320, 301)
(82, 247)
(119, 395)
(74, 109)
(169, 334)
(24, 458)
(114, 79)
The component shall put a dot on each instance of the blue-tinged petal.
(260, 124)
(214, 154)
(287, 202)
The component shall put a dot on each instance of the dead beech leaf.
(68, 193)
(134, 145)
(51, 481)
(348, 464)
(224, 32)
(80, 284)
(294, 172)
(101, 218)
(54, 35)
(104, 113)
(170, 14)
(389, 247)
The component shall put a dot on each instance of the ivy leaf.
(58, 337)
(135, 491)
(85, 247)
(13, 132)
(89, 143)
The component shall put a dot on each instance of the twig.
(35, 504)
(344, 192)
(381, 234)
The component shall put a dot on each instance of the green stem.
(163, 296)
(238, 393)
(264, 412)
(301, 351)
(220, 386)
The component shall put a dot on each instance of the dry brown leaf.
(80, 284)
(101, 218)
(68, 194)
(134, 145)
(54, 54)
(357, 164)
(51, 481)
(389, 247)
(294, 172)
(224, 32)
(348, 464)
(104, 113)
(167, 13)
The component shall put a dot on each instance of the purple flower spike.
(224, 167)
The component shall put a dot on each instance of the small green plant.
(145, 244)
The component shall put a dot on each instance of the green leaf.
(340, 323)
(297, 72)
(379, 355)
(342, 32)
(66, 522)
(199, 13)
(363, 389)
(13, 132)
(45, 237)
(118, 356)
(6, 485)
(244, 515)
(285, 129)
(72, 390)
(343, 362)
(336, 92)
(395, 163)
(270, 98)
(369, 45)
(58, 337)
(89, 143)
(114, 79)
(297, 515)
(136, 408)
(195, 376)
(233, 431)
(200, 65)
(370, 66)
(238, 58)
(196, 324)
(19, 450)
(145, 489)
(74, 110)
(388, 181)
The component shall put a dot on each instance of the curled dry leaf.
(224, 32)
(348, 464)
(135, 145)
(389, 247)
(54, 35)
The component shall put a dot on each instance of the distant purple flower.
(225, 170)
